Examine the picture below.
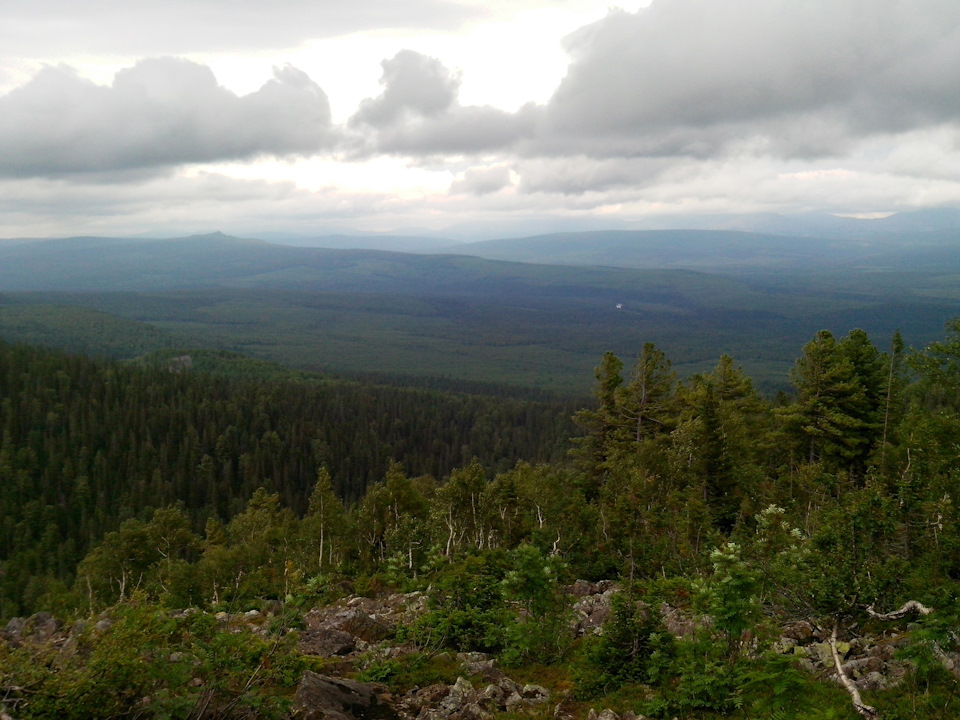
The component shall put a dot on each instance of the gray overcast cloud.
(693, 77)
(160, 112)
(685, 105)
(419, 113)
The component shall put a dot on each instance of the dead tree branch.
(907, 608)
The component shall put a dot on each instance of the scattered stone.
(872, 681)
(14, 629)
(535, 693)
(104, 624)
(492, 698)
(39, 628)
(461, 691)
(884, 651)
(472, 711)
(825, 654)
(513, 699)
(583, 588)
(785, 645)
(678, 623)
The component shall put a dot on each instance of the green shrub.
(468, 612)
(149, 664)
(634, 648)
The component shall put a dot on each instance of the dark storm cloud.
(696, 77)
(161, 112)
(145, 27)
(418, 113)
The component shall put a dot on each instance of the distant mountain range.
(339, 261)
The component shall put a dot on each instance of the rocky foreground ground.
(344, 638)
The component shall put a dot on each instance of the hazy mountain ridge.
(725, 250)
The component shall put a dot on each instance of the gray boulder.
(321, 697)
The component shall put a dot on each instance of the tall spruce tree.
(590, 451)
(722, 430)
(835, 417)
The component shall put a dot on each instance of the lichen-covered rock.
(859, 667)
(360, 625)
(785, 645)
(492, 698)
(460, 693)
(473, 711)
(38, 628)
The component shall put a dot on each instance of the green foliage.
(834, 418)
(540, 633)
(415, 670)
(667, 484)
(729, 597)
(150, 663)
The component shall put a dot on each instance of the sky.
(471, 118)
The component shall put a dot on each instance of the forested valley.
(746, 546)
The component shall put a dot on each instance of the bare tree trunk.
(866, 711)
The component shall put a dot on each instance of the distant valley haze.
(528, 312)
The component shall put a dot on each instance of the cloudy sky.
(316, 116)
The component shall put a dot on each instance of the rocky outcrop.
(608, 714)
(352, 625)
(592, 607)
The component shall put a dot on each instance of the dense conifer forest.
(89, 444)
(148, 489)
